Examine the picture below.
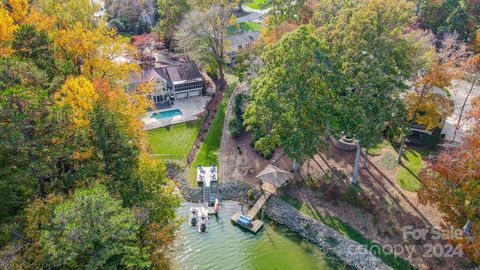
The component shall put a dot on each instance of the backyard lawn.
(407, 177)
(255, 4)
(174, 142)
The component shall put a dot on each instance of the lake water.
(226, 246)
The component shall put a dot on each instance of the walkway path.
(459, 91)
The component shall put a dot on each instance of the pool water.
(167, 114)
(226, 246)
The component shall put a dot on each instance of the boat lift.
(207, 176)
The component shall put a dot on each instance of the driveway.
(252, 15)
(459, 91)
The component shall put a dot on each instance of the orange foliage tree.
(452, 183)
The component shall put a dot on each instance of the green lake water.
(226, 246)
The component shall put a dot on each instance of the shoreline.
(328, 239)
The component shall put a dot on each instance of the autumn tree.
(66, 122)
(131, 15)
(452, 183)
(428, 102)
(146, 44)
(203, 34)
(7, 28)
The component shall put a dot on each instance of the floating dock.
(248, 221)
(254, 225)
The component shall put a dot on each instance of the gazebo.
(273, 178)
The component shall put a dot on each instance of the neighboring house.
(420, 133)
(240, 42)
(172, 82)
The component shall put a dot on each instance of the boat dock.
(248, 221)
(206, 176)
(272, 179)
(254, 225)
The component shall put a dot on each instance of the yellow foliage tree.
(19, 10)
(40, 21)
(427, 106)
(79, 94)
(129, 107)
(272, 34)
(7, 28)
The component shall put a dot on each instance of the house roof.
(244, 38)
(143, 76)
(170, 73)
(180, 72)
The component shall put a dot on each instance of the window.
(188, 86)
(158, 99)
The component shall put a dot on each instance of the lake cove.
(226, 246)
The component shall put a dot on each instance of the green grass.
(208, 152)
(245, 26)
(255, 4)
(407, 178)
(345, 229)
(174, 142)
(377, 150)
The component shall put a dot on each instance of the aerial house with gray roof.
(172, 82)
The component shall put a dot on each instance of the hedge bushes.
(235, 126)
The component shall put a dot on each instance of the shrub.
(388, 161)
(251, 194)
(431, 141)
(235, 126)
(355, 196)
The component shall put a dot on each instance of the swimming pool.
(166, 114)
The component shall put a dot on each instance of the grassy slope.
(174, 140)
(345, 229)
(407, 179)
(255, 4)
(208, 152)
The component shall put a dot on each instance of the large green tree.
(373, 61)
(171, 13)
(447, 16)
(290, 96)
(93, 231)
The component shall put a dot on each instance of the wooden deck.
(268, 189)
(256, 224)
(258, 205)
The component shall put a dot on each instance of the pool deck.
(190, 108)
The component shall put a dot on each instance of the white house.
(172, 82)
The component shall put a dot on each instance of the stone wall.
(331, 241)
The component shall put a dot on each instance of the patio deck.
(190, 108)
